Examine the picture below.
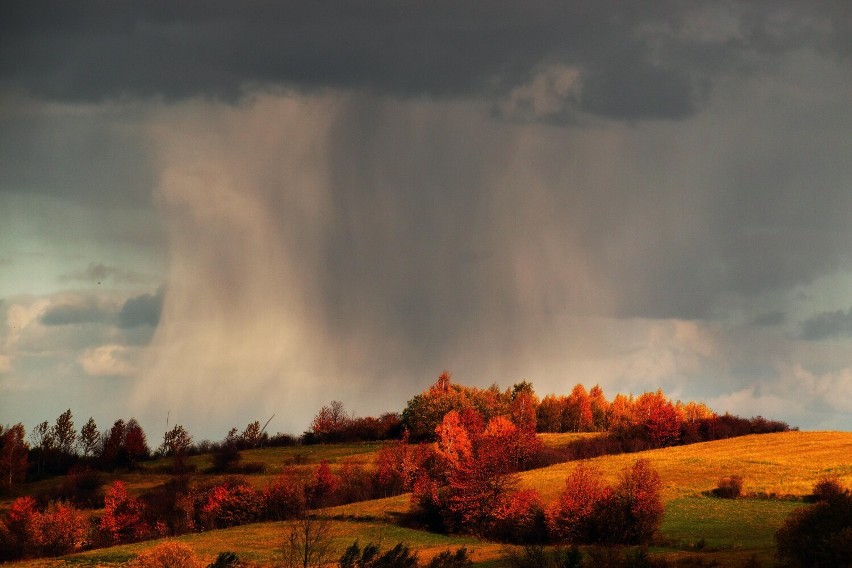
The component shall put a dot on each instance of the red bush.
(60, 529)
(519, 518)
(124, 516)
(635, 510)
(284, 498)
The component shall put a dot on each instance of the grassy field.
(723, 531)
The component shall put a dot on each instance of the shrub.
(819, 535)
(400, 556)
(520, 518)
(231, 505)
(730, 487)
(225, 560)
(539, 556)
(124, 516)
(826, 489)
(169, 554)
(284, 497)
(60, 529)
(447, 559)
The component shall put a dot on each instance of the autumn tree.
(43, 443)
(549, 414)
(124, 516)
(135, 442)
(472, 472)
(635, 509)
(88, 438)
(13, 455)
(600, 409)
(575, 517)
(63, 432)
(113, 451)
(252, 435)
(659, 417)
(578, 411)
(177, 443)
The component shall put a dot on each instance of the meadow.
(779, 470)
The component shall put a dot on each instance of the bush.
(169, 554)
(520, 519)
(225, 560)
(400, 556)
(60, 529)
(730, 487)
(826, 489)
(819, 535)
(447, 559)
(539, 556)
(284, 497)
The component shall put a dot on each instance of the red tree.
(574, 516)
(124, 516)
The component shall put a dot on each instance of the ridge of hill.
(728, 532)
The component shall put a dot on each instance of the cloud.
(109, 361)
(141, 310)
(5, 364)
(636, 63)
(770, 319)
(827, 325)
(77, 309)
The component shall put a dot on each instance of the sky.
(216, 212)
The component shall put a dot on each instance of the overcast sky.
(216, 211)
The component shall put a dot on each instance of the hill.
(778, 470)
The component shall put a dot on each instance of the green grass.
(726, 528)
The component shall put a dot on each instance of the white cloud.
(109, 360)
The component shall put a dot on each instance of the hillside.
(727, 532)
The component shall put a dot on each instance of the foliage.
(539, 556)
(176, 443)
(13, 456)
(232, 504)
(468, 477)
(284, 497)
(575, 517)
(730, 487)
(448, 559)
(59, 529)
(89, 438)
(819, 536)
(168, 554)
(400, 556)
(225, 560)
(124, 516)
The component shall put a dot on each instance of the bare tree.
(307, 543)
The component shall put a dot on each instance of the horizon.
(210, 213)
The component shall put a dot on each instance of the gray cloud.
(770, 319)
(648, 62)
(141, 310)
(827, 325)
(80, 311)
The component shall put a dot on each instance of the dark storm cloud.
(141, 310)
(827, 325)
(636, 62)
